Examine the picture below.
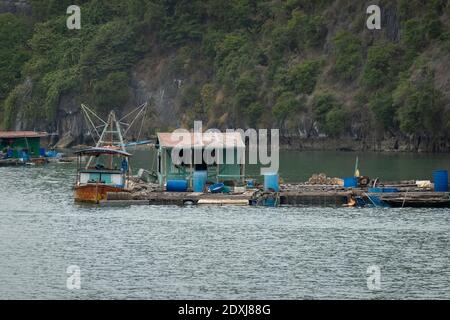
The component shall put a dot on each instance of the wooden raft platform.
(307, 196)
(180, 198)
(315, 198)
(415, 199)
(250, 197)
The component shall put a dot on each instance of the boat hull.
(93, 193)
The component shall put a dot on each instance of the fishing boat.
(104, 168)
(95, 180)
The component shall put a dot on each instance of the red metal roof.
(21, 134)
(211, 139)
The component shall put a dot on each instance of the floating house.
(21, 144)
(226, 162)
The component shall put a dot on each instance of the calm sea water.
(157, 252)
(298, 166)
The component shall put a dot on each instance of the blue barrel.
(177, 185)
(200, 178)
(51, 154)
(440, 180)
(271, 182)
(25, 156)
(216, 188)
(351, 182)
(42, 152)
(270, 202)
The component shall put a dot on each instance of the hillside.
(310, 68)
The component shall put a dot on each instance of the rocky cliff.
(312, 69)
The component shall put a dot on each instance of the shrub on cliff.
(384, 62)
(335, 121)
(321, 104)
(14, 33)
(111, 92)
(329, 114)
(307, 31)
(112, 49)
(420, 105)
(348, 51)
(286, 105)
(382, 106)
(300, 78)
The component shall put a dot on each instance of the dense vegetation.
(308, 67)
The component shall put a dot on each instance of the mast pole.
(99, 142)
(122, 145)
(111, 136)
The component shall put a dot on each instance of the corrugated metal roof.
(197, 140)
(97, 151)
(21, 134)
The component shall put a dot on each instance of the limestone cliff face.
(181, 87)
(150, 83)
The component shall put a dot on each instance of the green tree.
(420, 105)
(246, 90)
(287, 105)
(301, 78)
(329, 114)
(322, 103)
(384, 62)
(418, 32)
(414, 34)
(308, 31)
(348, 51)
(383, 108)
(254, 112)
(113, 92)
(113, 49)
(335, 122)
(13, 51)
(53, 85)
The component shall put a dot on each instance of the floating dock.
(13, 162)
(179, 198)
(415, 199)
(295, 195)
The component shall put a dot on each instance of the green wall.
(226, 171)
(18, 144)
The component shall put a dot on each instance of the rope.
(404, 198)
(140, 129)
(370, 199)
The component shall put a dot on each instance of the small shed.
(12, 143)
(228, 146)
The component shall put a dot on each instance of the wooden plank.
(228, 201)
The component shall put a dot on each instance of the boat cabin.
(104, 166)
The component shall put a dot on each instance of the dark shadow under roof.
(98, 151)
